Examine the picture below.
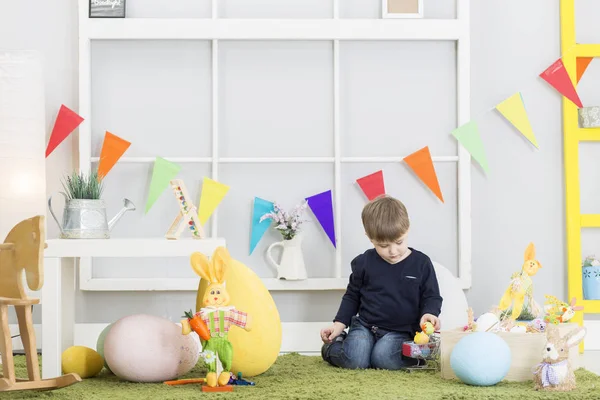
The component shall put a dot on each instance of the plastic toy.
(238, 381)
(187, 215)
(558, 311)
(428, 328)
(538, 325)
(421, 338)
(195, 323)
(185, 381)
(521, 286)
(217, 314)
(555, 372)
(427, 354)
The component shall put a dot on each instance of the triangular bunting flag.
(558, 77)
(66, 122)
(322, 206)
(372, 185)
(261, 207)
(422, 164)
(468, 136)
(582, 64)
(513, 109)
(112, 149)
(212, 194)
(162, 174)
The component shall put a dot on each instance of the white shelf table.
(58, 292)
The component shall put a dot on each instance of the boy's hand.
(330, 333)
(435, 321)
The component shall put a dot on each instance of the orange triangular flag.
(421, 163)
(112, 149)
(582, 64)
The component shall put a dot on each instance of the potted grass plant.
(84, 214)
(78, 186)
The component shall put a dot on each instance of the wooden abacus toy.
(187, 216)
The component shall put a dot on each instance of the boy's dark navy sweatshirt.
(393, 297)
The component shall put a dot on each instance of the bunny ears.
(212, 270)
(574, 337)
(530, 252)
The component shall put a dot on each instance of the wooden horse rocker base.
(23, 249)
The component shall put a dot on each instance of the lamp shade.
(22, 139)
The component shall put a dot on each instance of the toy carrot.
(185, 381)
(195, 323)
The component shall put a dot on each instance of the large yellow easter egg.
(82, 360)
(254, 352)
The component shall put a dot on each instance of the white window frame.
(334, 29)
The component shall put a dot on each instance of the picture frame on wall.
(402, 9)
(107, 9)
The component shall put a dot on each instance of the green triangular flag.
(162, 174)
(468, 136)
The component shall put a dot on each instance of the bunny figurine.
(555, 372)
(217, 314)
(521, 286)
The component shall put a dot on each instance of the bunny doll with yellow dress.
(217, 314)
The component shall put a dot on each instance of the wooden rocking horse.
(23, 249)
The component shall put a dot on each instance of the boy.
(393, 289)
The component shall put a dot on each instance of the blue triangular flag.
(261, 207)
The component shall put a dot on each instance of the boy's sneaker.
(326, 346)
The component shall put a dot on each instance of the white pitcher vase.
(291, 267)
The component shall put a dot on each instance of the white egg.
(486, 321)
(518, 329)
(147, 348)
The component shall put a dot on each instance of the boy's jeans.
(364, 348)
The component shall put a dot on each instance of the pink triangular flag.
(66, 122)
(372, 185)
(558, 77)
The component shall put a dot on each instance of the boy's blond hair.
(385, 219)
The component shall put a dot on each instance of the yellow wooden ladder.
(573, 135)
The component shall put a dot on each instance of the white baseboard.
(300, 337)
(16, 342)
(592, 338)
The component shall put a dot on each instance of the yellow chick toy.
(421, 338)
(428, 328)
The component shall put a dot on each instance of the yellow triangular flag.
(513, 110)
(212, 194)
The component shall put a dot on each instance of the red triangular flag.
(372, 185)
(558, 77)
(112, 149)
(421, 163)
(582, 64)
(66, 122)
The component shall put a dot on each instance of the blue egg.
(481, 359)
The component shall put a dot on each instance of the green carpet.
(302, 377)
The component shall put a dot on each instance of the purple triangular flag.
(322, 206)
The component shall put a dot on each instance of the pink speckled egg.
(147, 348)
